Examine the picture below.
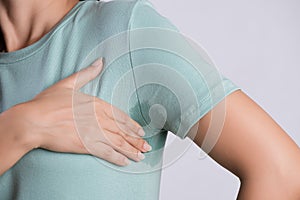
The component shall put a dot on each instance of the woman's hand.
(62, 119)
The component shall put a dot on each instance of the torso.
(72, 45)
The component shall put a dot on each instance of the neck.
(24, 22)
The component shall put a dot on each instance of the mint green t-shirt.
(151, 73)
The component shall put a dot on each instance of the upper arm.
(248, 142)
(178, 87)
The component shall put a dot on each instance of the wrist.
(17, 123)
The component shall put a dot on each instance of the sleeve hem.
(191, 116)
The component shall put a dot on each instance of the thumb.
(82, 77)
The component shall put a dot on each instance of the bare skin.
(255, 148)
(24, 22)
(251, 144)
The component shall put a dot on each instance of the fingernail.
(97, 63)
(141, 156)
(141, 132)
(126, 161)
(147, 147)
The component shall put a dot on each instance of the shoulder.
(111, 15)
(121, 14)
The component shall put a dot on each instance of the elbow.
(280, 180)
(291, 185)
(289, 179)
(290, 174)
(293, 182)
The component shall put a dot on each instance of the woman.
(46, 43)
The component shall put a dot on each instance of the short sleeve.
(176, 83)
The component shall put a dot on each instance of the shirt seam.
(192, 115)
(129, 27)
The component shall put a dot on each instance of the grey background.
(257, 45)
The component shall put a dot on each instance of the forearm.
(14, 140)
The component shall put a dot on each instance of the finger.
(115, 126)
(114, 113)
(107, 153)
(118, 143)
(135, 127)
(132, 139)
(139, 143)
(82, 77)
